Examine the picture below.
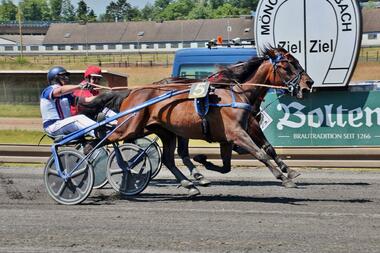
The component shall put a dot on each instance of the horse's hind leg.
(183, 152)
(225, 153)
(169, 144)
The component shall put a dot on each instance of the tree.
(55, 9)
(177, 10)
(227, 10)
(133, 14)
(82, 11)
(162, 4)
(244, 4)
(68, 12)
(91, 17)
(200, 12)
(35, 10)
(148, 13)
(111, 12)
(214, 4)
(121, 10)
(371, 4)
(8, 11)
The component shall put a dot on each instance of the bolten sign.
(324, 35)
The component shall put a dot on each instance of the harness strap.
(235, 104)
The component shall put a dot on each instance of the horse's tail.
(111, 100)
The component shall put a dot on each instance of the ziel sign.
(324, 35)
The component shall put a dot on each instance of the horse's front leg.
(269, 149)
(183, 152)
(242, 139)
(225, 153)
(256, 133)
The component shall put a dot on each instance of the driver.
(92, 78)
(55, 102)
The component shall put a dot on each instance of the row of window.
(109, 47)
(372, 36)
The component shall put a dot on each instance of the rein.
(269, 104)
(189, 84)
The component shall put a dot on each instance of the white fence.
(99, 48)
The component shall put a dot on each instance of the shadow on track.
(168, 182)
(153, 197)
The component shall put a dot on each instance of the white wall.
(370, 42)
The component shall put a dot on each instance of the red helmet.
(93, 71)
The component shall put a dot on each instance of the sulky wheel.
(126, 177)
(154, 153)
(76, 187)
(98, 160)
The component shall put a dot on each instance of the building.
(371, 27)
(144, 36)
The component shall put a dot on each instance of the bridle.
(292, 84)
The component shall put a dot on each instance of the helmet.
(93, 71)
(55, 72)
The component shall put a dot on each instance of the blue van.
(201, 62)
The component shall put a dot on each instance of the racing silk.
(76, 108)
(53, 109)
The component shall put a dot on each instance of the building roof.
(26, 39)
(149, 31)
(75, 33)
(371, 20)
(31, 28)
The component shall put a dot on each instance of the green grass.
(44, 62)
(22, 137)
(19, 111)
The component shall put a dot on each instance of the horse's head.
(284, 69)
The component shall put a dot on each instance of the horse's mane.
(241, 72)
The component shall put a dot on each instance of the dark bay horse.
(176, 115)
(240, 73)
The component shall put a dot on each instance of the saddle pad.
(199, 90)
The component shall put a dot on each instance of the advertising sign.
(325, 119)
(324, 35)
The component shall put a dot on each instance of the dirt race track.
(243, 211)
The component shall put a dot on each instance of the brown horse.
(239, 72)
(176, 115)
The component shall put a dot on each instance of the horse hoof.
(293, 174)
(193, 191)
(289, 184)
(224, 171)
(284, 168)
(187, 184)
(202, 181)
(200, 159)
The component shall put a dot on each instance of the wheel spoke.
(81, 192)
(79, 172)
(116, 171)
(60, 190)
(52, 171)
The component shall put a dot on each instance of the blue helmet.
(56, 72)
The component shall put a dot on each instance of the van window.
(197, 71)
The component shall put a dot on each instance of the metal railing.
(321, 157)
